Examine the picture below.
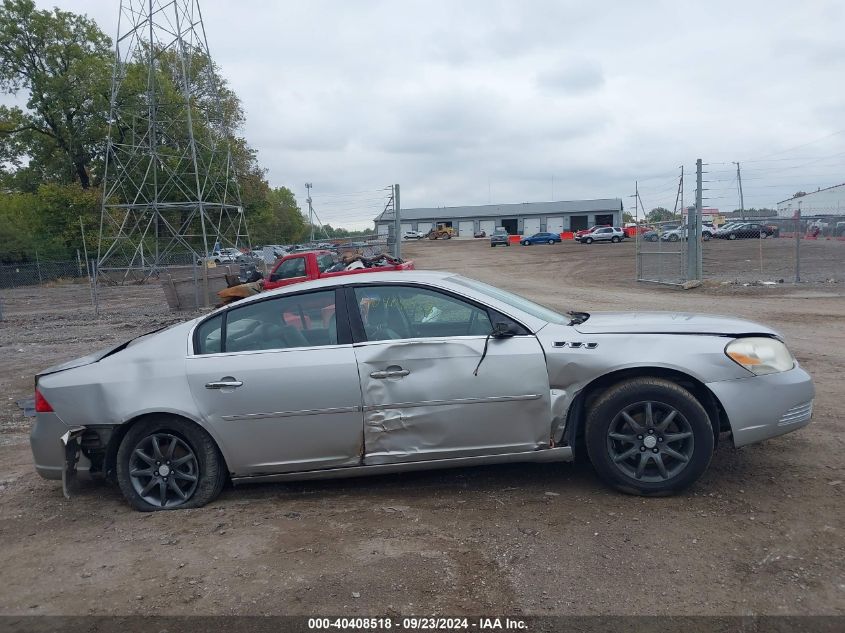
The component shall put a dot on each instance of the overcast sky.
(470, 102)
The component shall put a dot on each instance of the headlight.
(760, 355)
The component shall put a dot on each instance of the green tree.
(660, 214)
(278, 220)
(62, 60)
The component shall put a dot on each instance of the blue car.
(540, 238)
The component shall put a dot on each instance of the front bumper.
(761, 407)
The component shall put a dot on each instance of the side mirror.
(502, 329)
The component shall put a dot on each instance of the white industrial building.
(821, 203)
(526, 218)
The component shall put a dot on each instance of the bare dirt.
(761, 533)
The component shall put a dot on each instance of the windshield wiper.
(577, 317)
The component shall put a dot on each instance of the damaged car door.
(435, 382)
(278, 382)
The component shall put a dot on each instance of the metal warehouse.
(824, 202)
(526, 218)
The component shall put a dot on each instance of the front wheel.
(526, 243)
(167, 462)
(732, 236)
(551, 241)
(706, 237)
(649, 436)
(588, 240)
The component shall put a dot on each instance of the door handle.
(390, 373)
(225, 383)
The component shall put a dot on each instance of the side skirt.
(559, 454)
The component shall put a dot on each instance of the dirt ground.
(761, 533)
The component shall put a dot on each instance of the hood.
(669, 323)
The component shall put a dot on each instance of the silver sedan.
(407, 371)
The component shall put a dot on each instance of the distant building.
(526, 218)
(824, 202)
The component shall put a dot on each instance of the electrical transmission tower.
(170, 192)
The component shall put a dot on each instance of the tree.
(63, 61)
(627, 217)
(660, 214)
(278, 220)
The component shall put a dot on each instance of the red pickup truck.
(300, 267)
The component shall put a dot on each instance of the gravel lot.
(762, 533)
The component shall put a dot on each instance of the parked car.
(744, 230)
(500, 237)
(681, 233)
(413, 235)
(402, 371)
(603, 234)
(540, 238)
(480, 234)
(222, 256)
(583, 232)
(300, 267)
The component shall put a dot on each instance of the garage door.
(531, 226)
(465, 228)
(554, 225)
(406, 226)
(488, 226)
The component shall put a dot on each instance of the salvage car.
(413, 370)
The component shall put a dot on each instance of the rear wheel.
(732, 236)
(649, 436)
(614, 239)
(166, 463)
(551, 241)
(526, 243)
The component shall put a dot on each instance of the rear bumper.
(48, 449)
(761, 407)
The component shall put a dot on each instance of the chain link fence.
(661, 249)
(771, 251)
(42, 272)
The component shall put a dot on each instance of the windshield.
(520, 303)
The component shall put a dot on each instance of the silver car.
(603, 234)
(411, 370)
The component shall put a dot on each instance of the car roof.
(387, 276)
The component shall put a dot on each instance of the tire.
(526, 243)
(204, 463)
(706, 237)
(588, 240)
(763, 235)
(673, 238)
(607, 431)
(732, 236)
(652, 238)
(615, 239)
(551, 242)
(492, 246)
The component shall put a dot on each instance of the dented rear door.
(423, 401)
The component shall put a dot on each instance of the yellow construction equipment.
(442, 232)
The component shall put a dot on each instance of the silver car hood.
(669, 323)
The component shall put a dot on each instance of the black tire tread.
(634, 387)
(213, 473)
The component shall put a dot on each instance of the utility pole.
(741, 199)
(310, 211)
(397, 231)
(694, 230)
(798, 244)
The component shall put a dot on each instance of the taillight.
(41, 404)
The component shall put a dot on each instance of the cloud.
(465, 102)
